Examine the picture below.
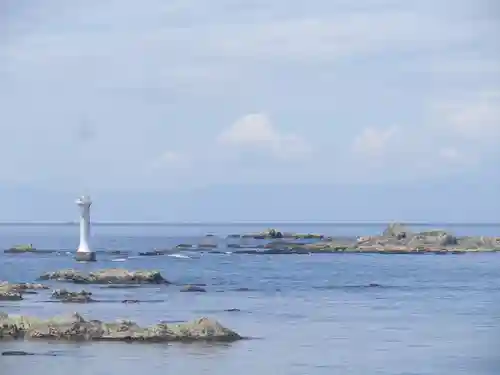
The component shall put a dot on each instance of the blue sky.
(197, 110)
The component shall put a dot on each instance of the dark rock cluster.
(64, 295)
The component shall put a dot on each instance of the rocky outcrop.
(267, 234)
(437, 238)
(398, 239)
(106, 276)
(64, 295)
(155, 253)
(22, 287)
(21, 249)
(395, 239)
(77, 328)
(10, 296)
(193, 288)
(478, 243)
(14, 292)
(398, 231)
(273, 234)
(304, 236)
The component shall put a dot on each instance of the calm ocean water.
(432, 315)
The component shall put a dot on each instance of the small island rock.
(106, 276)
(21, 287)
(10, 296)
(64, 295)
(193, 288)
(77, 328)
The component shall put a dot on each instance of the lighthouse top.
(84, 200)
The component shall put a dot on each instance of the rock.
(23, 353)
(267, 234)
(397, 239)
(208, 242)
(64, 295)
(31, 286)
(435, 238)
(154, 253)
(113, 252)
(185, 246)
(10, 296)
(21, 249)
(308, 236)
(193, 288)
(76, 328)
(122, 276)
(273, 233)
(21, 287)
(64, 275)
(478, 243)
(16, 352)
(107, 276)
(397, 230)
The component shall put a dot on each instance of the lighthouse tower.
(84, 253)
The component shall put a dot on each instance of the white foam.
(119, 260)
(177, 255)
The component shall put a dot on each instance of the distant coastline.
(245, 223)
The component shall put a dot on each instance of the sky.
(250, 110)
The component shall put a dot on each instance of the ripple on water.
(307, 314)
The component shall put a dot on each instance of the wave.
(178, 255)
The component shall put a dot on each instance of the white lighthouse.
(84, 253)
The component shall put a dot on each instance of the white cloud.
(373, 142)
(471, 123)
(252, 129)
(314, 65)
(163, 46)
(256, 132)
(172, 159)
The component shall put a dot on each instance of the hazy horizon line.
(249, 223)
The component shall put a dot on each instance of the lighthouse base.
(89, 256)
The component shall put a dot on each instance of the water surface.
(315, 314)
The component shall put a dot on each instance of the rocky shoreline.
(395, 239)
(106, 276)
(14, 292)
(77, 328)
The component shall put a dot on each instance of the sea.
(320, 314)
